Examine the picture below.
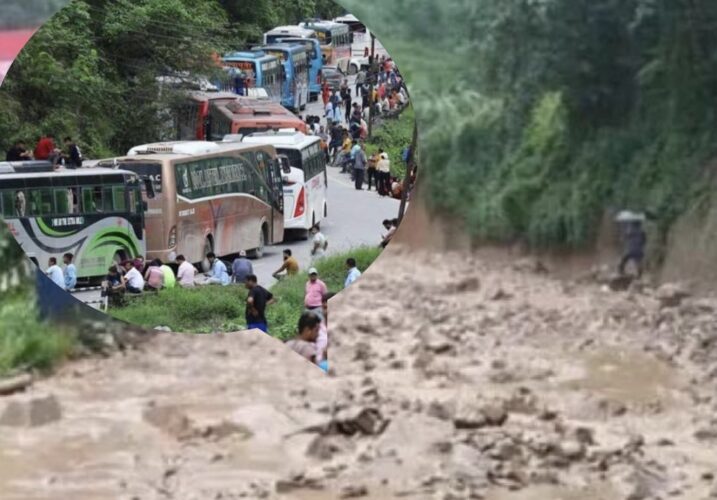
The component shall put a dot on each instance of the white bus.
(305, 188)
(281, 32)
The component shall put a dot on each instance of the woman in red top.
(325, 93)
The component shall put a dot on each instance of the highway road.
(354, 219)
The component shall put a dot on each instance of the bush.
(221, 309)
(25, 342)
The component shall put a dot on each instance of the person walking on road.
(256, 302)
(219, 274)
(320, 244)
(185, 273)
(360, 163)
(360, 80)
(290, 266)
(372, 173)
(241, 268)
(314, 292)
(70, 272)
(636, 239)
(55, 272)
(353, 272)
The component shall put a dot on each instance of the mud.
(463, 378)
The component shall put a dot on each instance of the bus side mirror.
(149, 188)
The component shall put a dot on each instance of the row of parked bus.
(165, 199)
(288, 64)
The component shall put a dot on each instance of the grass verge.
(221, 309)
(392, 136)
(27, 343)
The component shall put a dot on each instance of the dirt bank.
(462, 379)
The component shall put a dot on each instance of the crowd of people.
(65, 278)
(136, 277)
(46, 150)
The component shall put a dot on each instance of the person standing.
(383, 173)
(219, 274)
(346, 99)
(18, 152)
(636, 240)
(256, 303)
(70, 272)
(322, 342)
(320, 244)
(325, 93)
(290, 265)
(314, 292)
(133, 280)
(360, 162)
(353, 272)
(241, 268)
(360, 80)
(73, 158)
(372, 172)
(304, 344)
(55, 272)
(186, 272)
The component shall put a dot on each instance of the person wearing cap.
(290, 265)
(315, 290)
(241, 268)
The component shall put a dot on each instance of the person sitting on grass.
(290, 266)
(169, 279)
(304, 344)
(132, 279)
(113, 287)
(256, 302)
(186, 272)
(218, 274)
(154, 277)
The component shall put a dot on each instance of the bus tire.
(353, 69)
(258, 253)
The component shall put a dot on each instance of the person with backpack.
(73, 158)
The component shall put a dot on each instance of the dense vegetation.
(221, 309)
(90, 71)
(536, 116)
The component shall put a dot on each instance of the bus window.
(118, 199)
(92, 200)
(7, 204)
(41, 202)
(63, 201)
(106, 200)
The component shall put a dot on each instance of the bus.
(273, 36)
(261, 70)
(295, 93)
(97, 214)
(335, 40)
(313, 53)
(305, 203)
(208, 197)
(192, 116)
(246, 115)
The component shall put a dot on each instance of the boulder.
(671, 294)
(30, 410)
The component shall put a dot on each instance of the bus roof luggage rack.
(17, 167)
(176, 147)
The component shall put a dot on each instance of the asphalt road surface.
(354, 219)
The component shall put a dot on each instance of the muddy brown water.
(196, 417)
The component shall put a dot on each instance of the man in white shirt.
(353, 273)
(55, 273)
(320, 244)
(133, 280)
(185, 273)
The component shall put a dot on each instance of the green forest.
(90, 71)
(537, 116)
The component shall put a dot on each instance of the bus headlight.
(173, 237)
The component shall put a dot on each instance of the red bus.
(247, 115)
(192, 120)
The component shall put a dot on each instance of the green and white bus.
(97, 214)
